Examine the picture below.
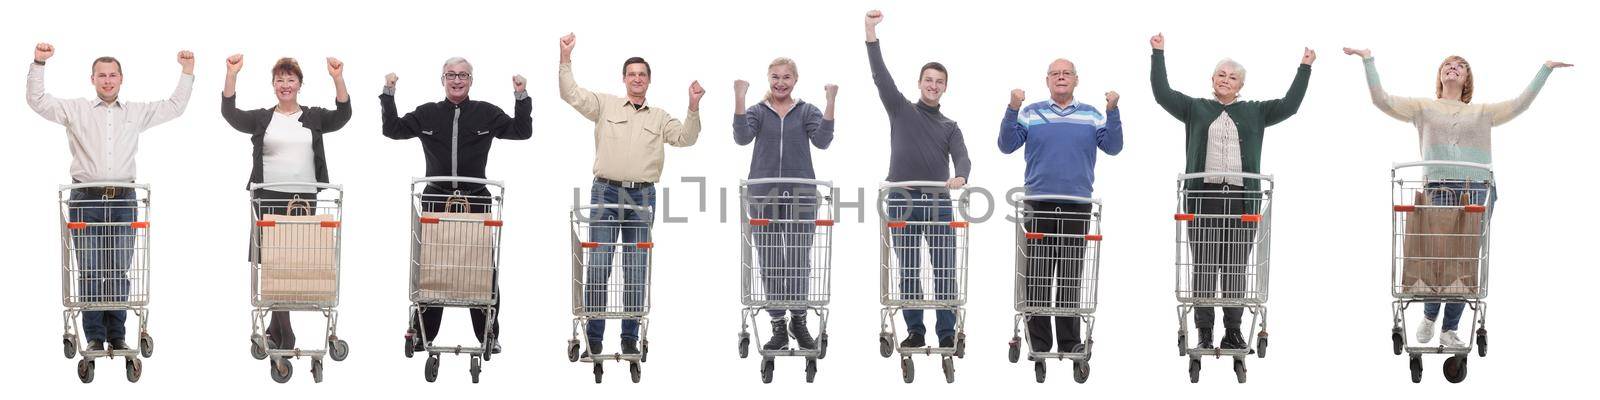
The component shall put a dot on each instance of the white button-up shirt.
(1222, 150)
(104, 136)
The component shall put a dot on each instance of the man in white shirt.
(103, 134)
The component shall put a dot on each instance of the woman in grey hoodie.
(784, 129)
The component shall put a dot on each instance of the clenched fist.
(1017, 96)
(390, 79)
(42, 52)
(519, 84)
(1158, 42)
(335, 68)
(740, 87)
(235, 63)
(186, 59)
(1111, 100)
(567, 43)
(830, 90)
(1309, 57)
(695, 93)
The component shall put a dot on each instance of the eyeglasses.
(464, 76)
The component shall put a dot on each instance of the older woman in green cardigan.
(1223, 134)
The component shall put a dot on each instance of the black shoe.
(797, 327)
(780, 336)
(494, 348)
(630, 347)
(947, 342)
(119, 344)
(97, 345)
(914, 342)
(1234, 340)
(1205, 339)
(595, 346)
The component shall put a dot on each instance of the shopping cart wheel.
(316, 369)
(1261, 347)
(1194, 370)
(885, 345)
(822, 346)
(1183, 344)
(1080, 371)
(338, 349)
(633, 371)
(949, 366)
(767, 366)
(135, 369)
(1039, 371)
(1239, 369)
(475, 368)
(147, 345)
(573, 350)
(1014, 352)
(86, 370)
(1455, 368)
(599, 370)
(69, 347)
(430, 369)
(280, 369)
(908, 370)
(1416, 368)
(1483, 342)
(811, 370)
(1399, 340)
(258, 347)
(744, 344)
(961, 345)
(411, 342)
(644, 351)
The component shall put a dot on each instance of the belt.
(104, 191)
(624, 185)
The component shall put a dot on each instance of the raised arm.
(1109, 133)
(170, 108)
(395, 126)
(1504, 111)
(1174, 102)
(1277, 110)
(1013, 134)
(333, 121)
(238, 119)
(819, 126)
(686, 133)
(745, 124)
(1401, 108)
(893, 100)
(586, 102)
(43, 103)
(519, 126)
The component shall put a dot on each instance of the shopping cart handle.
(128, 185)
(460, 179)
(1059, 197)
(911, 184)
(318, 185)
(1245, 175)
(1441, 163)
(797, 181)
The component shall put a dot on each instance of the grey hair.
(1231, 64)
(457, 61)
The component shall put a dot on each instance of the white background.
(1330, 304)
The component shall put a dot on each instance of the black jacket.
(456, 137)
(318, 120)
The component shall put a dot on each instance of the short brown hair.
(933, 65)
(1466, 85)
(636, 60)
(106, 59)
(288, 66)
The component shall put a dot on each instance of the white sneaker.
(1449, 339)
(1425, 331)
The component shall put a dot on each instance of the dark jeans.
(436, 198)
(615, 225)
(1450, 193)
(784, 245)
(1221, 247)
(919, 206)
(1055, 264)
(103, 254)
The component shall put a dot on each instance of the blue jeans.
(919, 206)
(1450, 192)
(784, 248)
(614, 225)
(103, 254)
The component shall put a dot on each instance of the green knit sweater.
(1252, 117)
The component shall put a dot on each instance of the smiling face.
(457, 81)
(636, 77)
(932, 83)
(107, 79)
(1227, 80)
(1455, 71)
(287, 87)
(780, 80)
(1062, 78)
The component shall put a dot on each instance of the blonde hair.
(782, 61)
(1466, 84)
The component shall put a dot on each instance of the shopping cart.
(923, 245)
(455, 261)
(294, 267)
(786, 252)
(611, 258)
(1440, 244)
(105, 267)
(1223, 247)
(1057, 275)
